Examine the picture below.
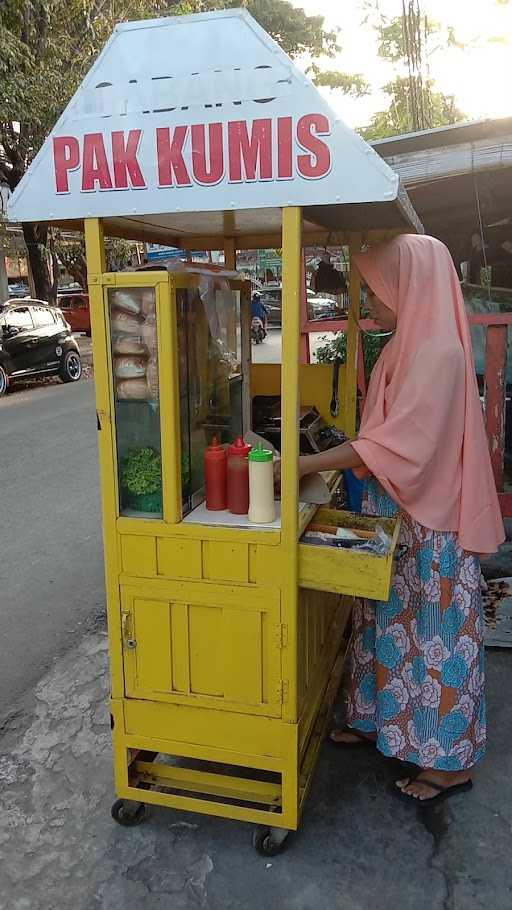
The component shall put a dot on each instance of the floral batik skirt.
(417, 661)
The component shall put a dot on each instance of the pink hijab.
(422, 433)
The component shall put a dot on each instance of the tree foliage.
(396, 119)
(406, 41)
(47, 47)
(353, 84)
(336, 347)
(296, 32)
(71, 254)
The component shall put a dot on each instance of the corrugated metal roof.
(455, 134)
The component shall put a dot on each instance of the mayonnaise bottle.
(261, 486)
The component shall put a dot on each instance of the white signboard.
(196, 113)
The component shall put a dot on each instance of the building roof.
(453, 134)
(463, 148)
(459, 179)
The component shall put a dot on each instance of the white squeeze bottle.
(261, 486)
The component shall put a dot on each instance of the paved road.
(51, 571)
(269, 351)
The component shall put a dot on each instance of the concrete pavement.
(270, 350)
(358, 848)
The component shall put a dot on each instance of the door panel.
(20, 347)
(76, 311)
(244, 680)
(205, 633)
(83, 316)
(19, 351)
(205, 652)
(154, 671)
(47, 333)
(180, 655)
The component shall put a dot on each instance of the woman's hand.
(334, 459)
(303, 470)
(337, 459)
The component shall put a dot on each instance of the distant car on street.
(319, 305)
(18, 289)
(36, 341)
(322, 307)
(75, 306)
(271, 298)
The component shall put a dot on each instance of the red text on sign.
(206, 154)
(97, 172)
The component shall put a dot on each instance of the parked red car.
(75, 307)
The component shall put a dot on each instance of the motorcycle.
(258, 333)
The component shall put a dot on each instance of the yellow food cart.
(227, 639)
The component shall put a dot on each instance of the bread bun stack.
(134, 344)
(150, 337)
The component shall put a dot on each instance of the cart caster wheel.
(125, 815)
(270, 841)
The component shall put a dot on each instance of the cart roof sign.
(191, 114)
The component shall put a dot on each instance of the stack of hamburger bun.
(134, 345)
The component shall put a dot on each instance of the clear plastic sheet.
(217, 299)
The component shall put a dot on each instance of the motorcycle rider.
(259, 310)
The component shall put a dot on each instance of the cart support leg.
(96, 267)
(350, 403)
(95, 246)
(230, 253)
(292, 281)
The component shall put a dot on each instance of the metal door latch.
(130, 643)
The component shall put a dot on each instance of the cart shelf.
(224, 519)
(201, 515)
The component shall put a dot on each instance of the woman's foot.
(418, 787)
(351, 737)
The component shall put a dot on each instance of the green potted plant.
(337, 347)
(141, 479)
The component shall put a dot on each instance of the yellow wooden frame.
(233, 572)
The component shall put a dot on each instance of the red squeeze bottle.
(215, 476)
(238, 477)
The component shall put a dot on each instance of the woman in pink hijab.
(417, 671)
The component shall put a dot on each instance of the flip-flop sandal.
(361, 739)
(442, 794)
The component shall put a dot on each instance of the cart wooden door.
(196, 643)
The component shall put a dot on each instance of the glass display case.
(210, 377)
(210, 383)
(134, 348)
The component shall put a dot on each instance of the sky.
(480, 76)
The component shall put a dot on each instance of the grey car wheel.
(4, 382)
(72, 367)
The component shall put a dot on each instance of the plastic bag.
(380, 545)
